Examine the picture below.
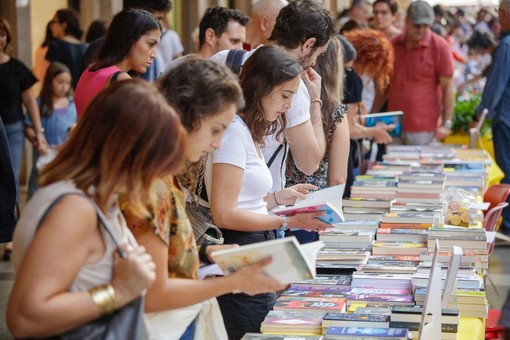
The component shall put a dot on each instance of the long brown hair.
(198, 89)
(46, 95)
(128, 136)
(268, 67)
(330, 67)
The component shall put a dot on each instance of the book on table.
(291, 261)
(258, 336)
(366, 333)
(279, 321)
(355, 319)
(328, 200)
(388, 118)
(310, 304)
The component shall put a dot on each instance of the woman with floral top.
(207, 96)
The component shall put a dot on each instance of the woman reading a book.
(238, 180)
(207, 96)
(333, 167)
(66, 255)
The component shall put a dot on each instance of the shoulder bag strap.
(235, 60)
(102, 219)
(114, 77)
(273, 156)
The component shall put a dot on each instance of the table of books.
(373, 271)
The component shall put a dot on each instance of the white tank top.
(90, 274)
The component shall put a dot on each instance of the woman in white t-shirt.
(238, 181)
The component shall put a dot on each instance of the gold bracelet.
(104, 298)
(317, 100)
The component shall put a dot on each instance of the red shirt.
(414, 86)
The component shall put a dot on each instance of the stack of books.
(469, 239)
(351, 239)
(410, 318)
(364, 208)
(258, 336)
(469, 302)
(425, 190)
(292, 322)
(391, 264)
(394, 248)
(330, 258)
(374, 189)
(355, 320)
(310, 303)
(381, 281)
(478, 259)
(366, 333)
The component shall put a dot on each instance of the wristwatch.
(448, 124)
(284, 223)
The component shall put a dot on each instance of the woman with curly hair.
(374, 64)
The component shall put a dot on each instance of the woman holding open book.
(207, 96)
(238, 180)
(333, 167)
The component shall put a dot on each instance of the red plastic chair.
(490, 221)
(492, 328)
(496, 194)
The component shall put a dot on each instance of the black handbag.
(125, 323)
(200, 216)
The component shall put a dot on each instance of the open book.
(392, 117)
(328, 200)
(291, 261)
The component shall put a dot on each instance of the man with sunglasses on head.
(422, 81)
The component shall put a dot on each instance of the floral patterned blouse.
(320, 177)
(170, 222)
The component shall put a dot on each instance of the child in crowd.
(58, 115)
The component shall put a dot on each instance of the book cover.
(258, 336)
(414, 326)
(324, 304)
(420, 184)
(332, 280)
(382, 299)
(320, 288)
(355, 319)
(366, 202)
(292, 291)
(328, 200)
(293, 318)
(291, 261)
(349, 332)
(388, 118)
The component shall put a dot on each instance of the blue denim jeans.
(189, 333)
(15, 137)
(501, 141)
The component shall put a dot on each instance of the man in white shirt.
(303, 28)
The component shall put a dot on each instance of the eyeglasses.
(381, 13)
(420, 25)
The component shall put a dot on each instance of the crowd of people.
(119, 158)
